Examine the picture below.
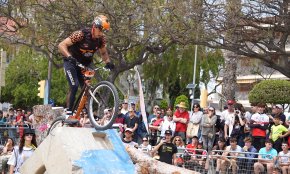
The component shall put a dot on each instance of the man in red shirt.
(181, 118)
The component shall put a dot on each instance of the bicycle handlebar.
(96, 69)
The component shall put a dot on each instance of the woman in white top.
(193, 127)
(145, 147)
(20, 154)
(167, 124)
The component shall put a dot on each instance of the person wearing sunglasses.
(22, 152)
(167, 123)
(80, 47)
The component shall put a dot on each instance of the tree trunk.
(147, 165)
(229, 76)
(233, 8)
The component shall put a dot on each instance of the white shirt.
(166, 124)
(232, 151)
(195, 117)
(284, 158)
(260, 118)
(229, 118)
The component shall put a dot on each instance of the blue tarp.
(115, 161)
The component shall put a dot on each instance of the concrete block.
(70, 150)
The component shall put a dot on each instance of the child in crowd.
(278, 132)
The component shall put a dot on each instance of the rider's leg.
(72, 77)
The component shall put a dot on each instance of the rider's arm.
(104, 54)
(69, 41)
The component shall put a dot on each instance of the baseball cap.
(168, 132)
(231, 102)
(129, 129)
(107, 110)
(279, 106)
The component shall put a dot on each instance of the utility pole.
(49, 74)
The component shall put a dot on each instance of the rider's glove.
(71, 59)
(110, 66)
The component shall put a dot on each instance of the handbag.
(210, 135)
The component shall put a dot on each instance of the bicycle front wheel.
(103, 105)
(58, 122)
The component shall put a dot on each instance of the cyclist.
(80, 47)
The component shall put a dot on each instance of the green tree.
(181, 98)
(163, 104)
(174, 69)
(22, 77)
(271, 91)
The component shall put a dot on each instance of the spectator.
(156, 108)
(218, 151)
(6, 154)
(145, 147)
(133, 106)
(278, 110)
(178, 142)
(284, 159)
(132, 122)
(167, 124)
(26, 148)
(141, 130)
(208, 129)
(162, 112)
(233, 150)
(258, 124)
(267, 157)
(254, 109)
(107, 116)
(229, 117)
(20, 118)
(154, 128)
(193, 145)
(128, 139)
(197, 160)
(85, 121)
(278, 132)
(124, 109)
(181, 118)
(251, 153)
(119, 122)
(193, 128)
(166, 150)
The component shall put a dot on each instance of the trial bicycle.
(93, 99)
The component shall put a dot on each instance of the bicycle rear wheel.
(103, 99)
(58, 122)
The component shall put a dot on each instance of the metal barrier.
(192, 159)
(239, 162)
(8, 131)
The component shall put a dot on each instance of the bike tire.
(109, 99)
(58, 120)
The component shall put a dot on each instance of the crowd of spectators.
(235, 136)
(15, 133)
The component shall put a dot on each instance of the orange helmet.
(101, 22)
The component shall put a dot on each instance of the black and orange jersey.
(84, 46)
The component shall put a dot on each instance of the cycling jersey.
(84, 46)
